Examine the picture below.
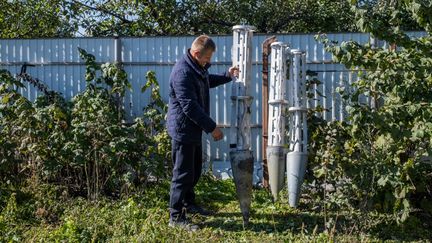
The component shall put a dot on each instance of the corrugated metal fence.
(58, 64)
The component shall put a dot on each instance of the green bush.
(84, 144)
(380, 159)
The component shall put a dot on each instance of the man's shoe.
(195, 209)
(183, 224)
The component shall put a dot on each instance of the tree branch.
(211, 20)
(103, 11)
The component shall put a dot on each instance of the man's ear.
(195, 53)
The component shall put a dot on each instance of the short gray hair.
(203, 43)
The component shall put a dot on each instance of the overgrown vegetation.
(47, 214)
(60, 18)
(77, 171)
(83, 144)
(379, 160)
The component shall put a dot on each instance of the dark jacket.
(189, 108)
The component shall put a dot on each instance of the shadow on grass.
(218, 194)
(259, 222)
(415, 228)
(304, 223)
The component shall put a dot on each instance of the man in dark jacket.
(188, 116)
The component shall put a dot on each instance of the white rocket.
(277, 113)
(240, 134)
(297, 155)
(287, 98)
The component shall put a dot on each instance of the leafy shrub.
(84, 144)
(380, 159)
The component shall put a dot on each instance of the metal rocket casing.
(241, 100)
(297, 156)
(240, 134)
(277, 107)
(242, 169)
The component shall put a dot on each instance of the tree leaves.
(388, 136)
(34, 19)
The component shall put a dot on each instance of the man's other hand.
(217, 134)
(234, 71)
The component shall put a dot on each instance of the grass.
(49, 214)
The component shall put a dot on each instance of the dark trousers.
(187, 167)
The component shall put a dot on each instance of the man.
(188, 116)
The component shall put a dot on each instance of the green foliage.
(60, 18)
(35, 18)
(8, 217)
(84, 144)
(169, 17)
(380, 160)
(46, 214)
(158, 145)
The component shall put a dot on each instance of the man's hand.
(217, 134)
(234, 72)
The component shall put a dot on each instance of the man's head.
(202, 49)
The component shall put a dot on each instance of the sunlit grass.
(143, 217)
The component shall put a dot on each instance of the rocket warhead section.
(242, 168)
(297, 155)
(277, 113)
(240, 134)
(296, 167)
(276, 169)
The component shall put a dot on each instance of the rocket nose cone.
(242, 168)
